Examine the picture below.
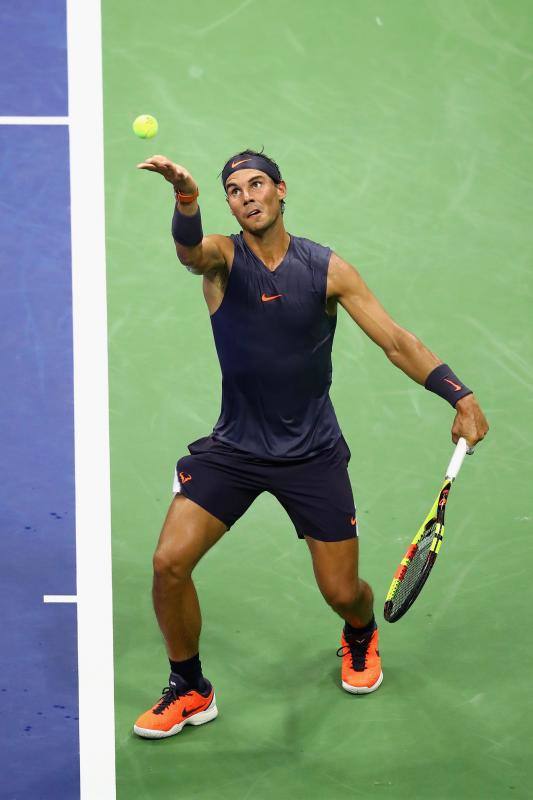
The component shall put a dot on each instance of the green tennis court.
(404, 133)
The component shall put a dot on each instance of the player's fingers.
(473, 438)
(159, 162)
(162, 169)
(166, 163)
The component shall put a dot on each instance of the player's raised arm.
(404, 349)
(197, 252)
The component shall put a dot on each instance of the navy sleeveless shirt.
(274, 339)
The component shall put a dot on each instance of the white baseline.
(60, 598)
(91, 416)
(34, 120)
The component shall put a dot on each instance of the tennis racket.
(422, 553)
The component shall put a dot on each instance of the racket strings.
(416, 566)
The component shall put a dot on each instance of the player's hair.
(249, 152)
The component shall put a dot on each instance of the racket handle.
(461, 449)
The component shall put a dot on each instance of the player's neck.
(270, 245)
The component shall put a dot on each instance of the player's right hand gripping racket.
(421, 554)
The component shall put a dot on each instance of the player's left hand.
(469, 421)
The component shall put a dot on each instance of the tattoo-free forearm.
(411, 356)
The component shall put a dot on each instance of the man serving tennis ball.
(273, 300)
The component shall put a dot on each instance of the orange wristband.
(185, 199)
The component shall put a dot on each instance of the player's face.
(254, 199)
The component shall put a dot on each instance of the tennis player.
(273, 300)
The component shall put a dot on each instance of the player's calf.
(353, 601)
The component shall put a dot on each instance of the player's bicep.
(212, 253)
(346, 284)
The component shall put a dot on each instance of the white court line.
(91, 416)
(60, 598)
(34, 120)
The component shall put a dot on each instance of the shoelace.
(358, 648)
(169, 696)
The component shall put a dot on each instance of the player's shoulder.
(304, 241)
(311, 251)
(224, 244)
(222, 241)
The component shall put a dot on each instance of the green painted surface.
(403, 130)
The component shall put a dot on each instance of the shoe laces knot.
(169, 695)
(357, 647)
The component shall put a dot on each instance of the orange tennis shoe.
(179, 705)
(361, 662)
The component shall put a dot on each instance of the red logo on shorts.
(353, 521)
(184, 477)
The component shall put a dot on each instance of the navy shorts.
(315, 492)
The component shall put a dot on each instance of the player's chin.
(256, 223)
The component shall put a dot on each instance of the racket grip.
(461, 449)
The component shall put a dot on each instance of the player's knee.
(171, 563)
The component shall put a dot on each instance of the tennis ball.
(145, 126)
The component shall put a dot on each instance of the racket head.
(418, 561)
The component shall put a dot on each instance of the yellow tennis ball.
(145, 126)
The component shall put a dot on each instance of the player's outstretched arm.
(199, 253)
(400, 346)
(404, 349)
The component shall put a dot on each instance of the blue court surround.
(39, 738)
(33, 67)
